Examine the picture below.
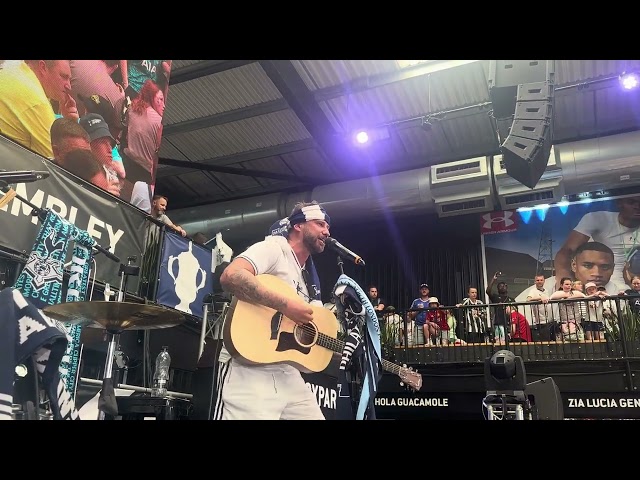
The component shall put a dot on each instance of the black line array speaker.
(526, 145)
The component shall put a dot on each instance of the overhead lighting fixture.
(365, 137)
(629, 80)
(362, 137)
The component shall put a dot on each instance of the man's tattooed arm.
(242, 283)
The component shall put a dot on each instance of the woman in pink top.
(144, 133)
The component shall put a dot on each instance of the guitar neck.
(336, 345)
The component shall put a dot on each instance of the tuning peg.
(402, 384)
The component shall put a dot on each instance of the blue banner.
(185, 275)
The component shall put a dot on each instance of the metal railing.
(575, 328)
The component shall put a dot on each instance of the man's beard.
(311, 242)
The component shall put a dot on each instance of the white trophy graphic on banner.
(185, 282)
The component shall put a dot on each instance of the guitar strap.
(311, 280)
(361, 351)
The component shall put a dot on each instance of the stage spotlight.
(369, 136)
(629, 80)
(504, 371)
(505, 380)
(509, 397)
(362, 137)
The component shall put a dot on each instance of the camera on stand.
(509, 397)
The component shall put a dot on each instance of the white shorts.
(267, 392)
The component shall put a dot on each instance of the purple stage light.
(362, 137)
(629, 81)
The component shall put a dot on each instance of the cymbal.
(115, 316)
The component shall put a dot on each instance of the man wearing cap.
(420, 317)
(102, 142)
(277, 390)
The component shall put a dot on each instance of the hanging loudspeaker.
(526, 149)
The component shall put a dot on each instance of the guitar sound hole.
(306, 335)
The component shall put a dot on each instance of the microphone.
(343, 251)
(22, 176)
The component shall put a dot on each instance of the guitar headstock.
(410, 378)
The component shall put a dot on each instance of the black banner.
(601, 405)
(112, 222)
(469, 405)
(429, 406)
(325, 389)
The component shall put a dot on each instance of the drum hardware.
(212, 321)
(135, 388)
(41, 214)
(115, 317)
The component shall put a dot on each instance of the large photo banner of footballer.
(99, 119)
(587, 241)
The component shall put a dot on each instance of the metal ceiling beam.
(240, 171)
(259, 154)
(374, 81)
(202, 69)
(214, 66)
(180, 202)
(226, 117)
(287, 80)
(410, 163)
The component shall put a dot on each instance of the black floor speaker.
(204, 381)
(546, 399)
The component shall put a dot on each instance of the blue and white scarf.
(41, 280)
(361, 355)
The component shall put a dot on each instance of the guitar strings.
(338, 344)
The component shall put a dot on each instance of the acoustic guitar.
(256, 334)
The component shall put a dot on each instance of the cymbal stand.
(113, 335)
(211, 323)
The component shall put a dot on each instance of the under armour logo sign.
(497, 222)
